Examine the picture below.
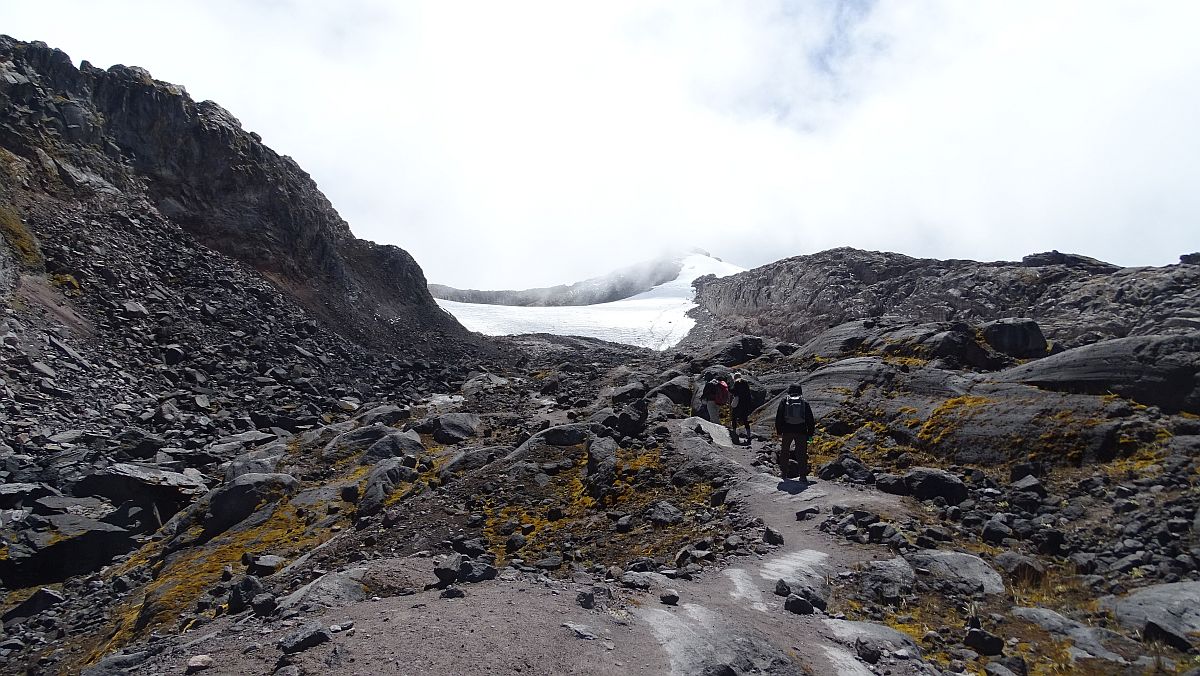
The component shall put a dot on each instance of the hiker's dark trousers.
(793, 456)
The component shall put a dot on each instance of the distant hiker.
(741, 405)
(714, 395)
(795, 424)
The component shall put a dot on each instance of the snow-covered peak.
(656, 318)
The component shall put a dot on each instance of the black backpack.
(710, 390)
(793, 410)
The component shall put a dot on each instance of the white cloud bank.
(522, 144)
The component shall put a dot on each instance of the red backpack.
(722, 397)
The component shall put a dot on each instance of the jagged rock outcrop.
(1074, 299)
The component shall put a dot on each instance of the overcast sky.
(514, 144)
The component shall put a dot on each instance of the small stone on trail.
(772, 536)
(199, 663)
(586, 599)
(868, 650)
(807, 513)
(581, 631)
(669, 597)
(307, 636)
(452, 593)
(798, 604)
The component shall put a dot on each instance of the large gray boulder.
(562, 435)
(731, 351)
(331, 590)
(967, 571)
(382, 482)
(878, 636)
(387, 414)
(1086, 642)
(927, 483)
(238, 499)
(1154, 370)
(677, 389)
(452, 428)
(394, 444)
(1163, 612)
(125, 482)
(262, 460)
(888, 581)
(471, 459)
(600, 473)
(704, 446)
(69, 545)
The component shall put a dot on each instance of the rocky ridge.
(119, 138)
(1074, 299)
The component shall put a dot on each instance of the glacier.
(656, 319)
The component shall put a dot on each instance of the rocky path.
(735, 617)
(727, 621)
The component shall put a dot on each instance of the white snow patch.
(844, 663)
(688, 641)
(744, 589)
(806, 563)
(656, 318)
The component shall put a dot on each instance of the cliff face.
(91, 134)
(1075, 300)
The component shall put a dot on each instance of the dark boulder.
(1166, 612)
(888, 581)
(452, 428)
(966, 571)
(471, 459)
(1153, 370)
(18, 495)
(1015, 337)
(600, 473)
(927, 483)
(167, 491)
(677, 389)
(39, 602)
(381, 482)
(848, 466)
(307, 636)
(238, 499)
(1021, 568)
(67, 545)
(663, 513)
(395, 444)
(242, 592)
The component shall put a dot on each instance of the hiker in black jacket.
(742, 406)
(795, 424)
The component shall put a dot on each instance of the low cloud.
(511, 145)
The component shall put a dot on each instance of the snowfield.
(656, 318)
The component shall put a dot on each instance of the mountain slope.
(80, 134)
(656, 318)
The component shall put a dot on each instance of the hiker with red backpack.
(795, 424)
(714, 395)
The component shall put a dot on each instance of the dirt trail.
(723, 611)
(727, 618)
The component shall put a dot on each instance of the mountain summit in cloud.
(619, 284)
(655, 316)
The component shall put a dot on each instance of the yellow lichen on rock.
(19, 238)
